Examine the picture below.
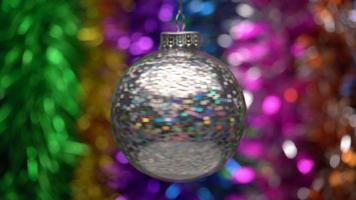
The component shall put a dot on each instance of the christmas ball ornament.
(178, 113)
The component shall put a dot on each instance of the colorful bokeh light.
(305, 166)
(271, 105)
(244, 175)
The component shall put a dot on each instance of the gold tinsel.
(103, 67)
(329, 61)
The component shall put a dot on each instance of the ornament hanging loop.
(180, 18)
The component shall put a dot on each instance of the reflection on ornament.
(178, 113)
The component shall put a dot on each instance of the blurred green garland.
(38, 98)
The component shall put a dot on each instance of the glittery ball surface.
(178, 114)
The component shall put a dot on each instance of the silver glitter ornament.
(178, 113)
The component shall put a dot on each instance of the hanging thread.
(180, 18)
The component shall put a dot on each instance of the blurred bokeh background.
(61, 59)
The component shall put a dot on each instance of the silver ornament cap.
(185, 39)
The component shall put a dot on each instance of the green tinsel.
(38, 98)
